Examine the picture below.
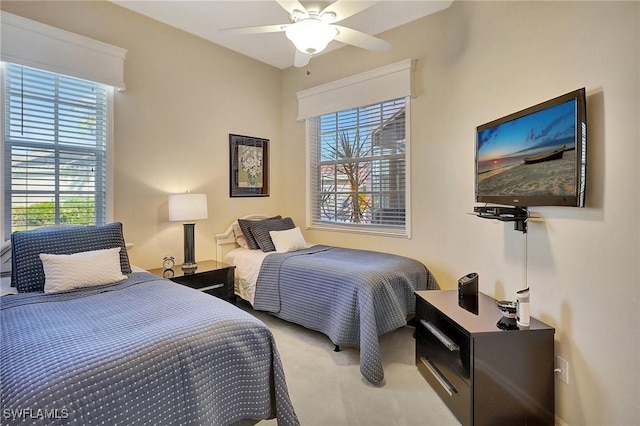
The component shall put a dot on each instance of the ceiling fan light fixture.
(311, 35)
(328, 17)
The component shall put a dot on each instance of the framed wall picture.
(248, 166)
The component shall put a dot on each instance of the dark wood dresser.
(485, 374)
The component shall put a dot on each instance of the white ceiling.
(204, 18)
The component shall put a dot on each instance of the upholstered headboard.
(226, 241)
(5, 250)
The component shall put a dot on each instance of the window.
(358, 168)
(55, 146)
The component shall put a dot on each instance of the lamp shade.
(187, 207)
(311, 35)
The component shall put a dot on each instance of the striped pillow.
(261, 231)
(246, 225)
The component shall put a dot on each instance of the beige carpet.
(327, 389)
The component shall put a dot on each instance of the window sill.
(352, 230)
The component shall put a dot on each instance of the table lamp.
(188, 208)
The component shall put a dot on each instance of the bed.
(141, 350)
(351, 296)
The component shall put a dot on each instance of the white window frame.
(36, 45)
(109, 167)
(404, 232)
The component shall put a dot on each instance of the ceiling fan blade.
(345, 8)
(360, 39)
(255, 30)
(291, 6)
(301, 59)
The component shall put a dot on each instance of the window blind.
(55, 149)
(358, 168)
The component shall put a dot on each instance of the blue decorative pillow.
(246, 226)
(27, 272)
(260, 231)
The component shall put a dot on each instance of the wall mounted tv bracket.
(517, 215)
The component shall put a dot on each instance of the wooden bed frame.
(226, 241)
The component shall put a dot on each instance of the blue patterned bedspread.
(144, 351)
(352, 296)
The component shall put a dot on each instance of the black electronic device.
(469, 303)
(535, 157)
(516, 212)
(468, 286)
(517, 215)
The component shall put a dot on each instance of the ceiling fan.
(312, 29)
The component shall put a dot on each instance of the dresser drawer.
(451, 388)
(442, 342)
(215, 283)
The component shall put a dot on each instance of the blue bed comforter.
(144, 351)
(352, 296)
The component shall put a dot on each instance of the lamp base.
(189, 268)
(189, 247)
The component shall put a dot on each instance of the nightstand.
(212, 277)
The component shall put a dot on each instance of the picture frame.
(248, 166)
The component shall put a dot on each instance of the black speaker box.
(468, 285)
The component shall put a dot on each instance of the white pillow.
(288, 240)
(85, 269)
(241, 240)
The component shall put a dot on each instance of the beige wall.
(184, 96)
(476, 61)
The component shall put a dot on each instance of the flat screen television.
(535, 157)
